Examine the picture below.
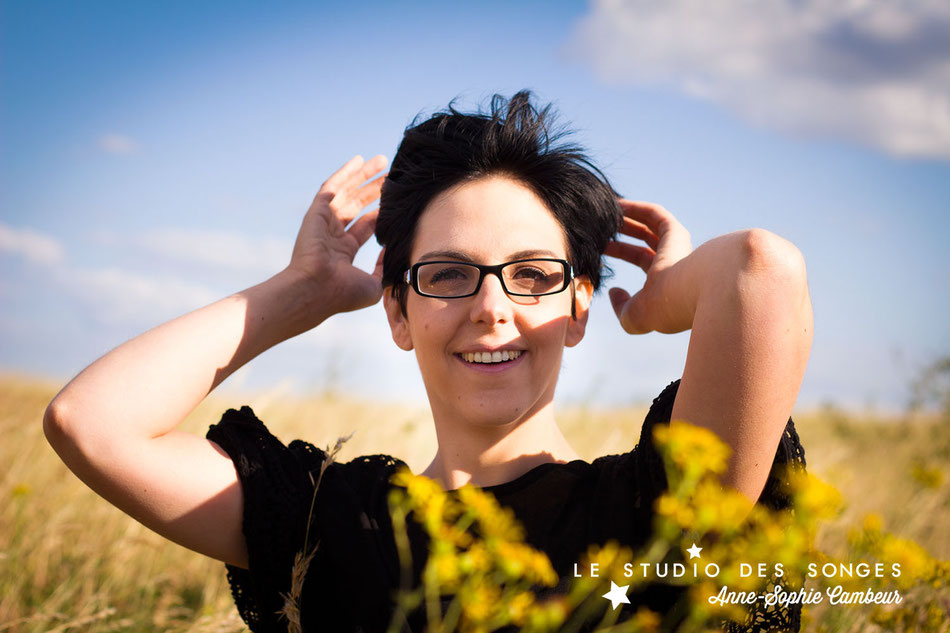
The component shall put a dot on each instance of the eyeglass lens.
(530, 277)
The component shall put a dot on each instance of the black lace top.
(351, 579)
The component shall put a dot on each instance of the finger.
(356, 179)
(618, 297)
(653, 215)
(363, 228)
(673, 238)
(378, 270)
(639, 230)
(356, 202)
(626, 308)
(639, 256)
(353, 195)
(370, 291)
(335, 181)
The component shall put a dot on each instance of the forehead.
(488, 219)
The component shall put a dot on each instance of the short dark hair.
(514, 139)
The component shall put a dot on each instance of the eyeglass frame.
(411, 276)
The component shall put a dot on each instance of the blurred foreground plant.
(491, 579)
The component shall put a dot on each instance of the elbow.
(768, 256)
(773, 283)
(772, 273)
(54, 422)
(60, 430)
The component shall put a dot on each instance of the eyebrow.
(459, 255)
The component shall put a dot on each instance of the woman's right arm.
(114, 424)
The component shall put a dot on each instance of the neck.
(486, 455)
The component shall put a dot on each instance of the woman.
(493, 237)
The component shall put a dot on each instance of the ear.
(583, 291)
(398, 323)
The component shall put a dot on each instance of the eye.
(534, 277)
(528, 272)
(448, 274)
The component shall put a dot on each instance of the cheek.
(431, 330)
(549, 332)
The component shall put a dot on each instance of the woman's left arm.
(745, 297)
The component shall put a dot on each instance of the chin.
(497, 406)
(495, 410)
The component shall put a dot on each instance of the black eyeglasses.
(520, 278)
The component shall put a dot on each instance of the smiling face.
(489, 221)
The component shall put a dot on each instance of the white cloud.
(219, 249)
(116, 295)
(119, 144)
(366, 331)
(32, 245)
(876, 72)
(112, 294)
(357, 354)
(214, 249)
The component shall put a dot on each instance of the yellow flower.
(476, 559)
(915, 564)
(719, 508)
(873, 522)
(444, 568)
(693, 449)
(421, 490)
(432, 510)
(929, 477)
(519, 607)
(518, 561)
(667, 505)
(811, 496)
(493, 519)
(646, 620)
(453, 534)
(609, 559)
(479, 600)
(547, 615)
(677, 510)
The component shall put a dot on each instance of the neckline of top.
(526, 478)
(532, 475)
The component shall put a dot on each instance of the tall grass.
(69, 561)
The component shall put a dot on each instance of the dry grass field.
(71, 562)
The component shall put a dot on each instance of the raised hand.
(324, 251)
(655, 307)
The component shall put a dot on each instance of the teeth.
(491, 357)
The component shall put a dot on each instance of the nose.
(491, 304)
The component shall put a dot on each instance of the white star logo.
(617, 594)
(694, 551)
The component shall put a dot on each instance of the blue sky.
(155, 157)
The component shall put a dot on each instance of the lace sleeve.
(277, 487)
(775, 495)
